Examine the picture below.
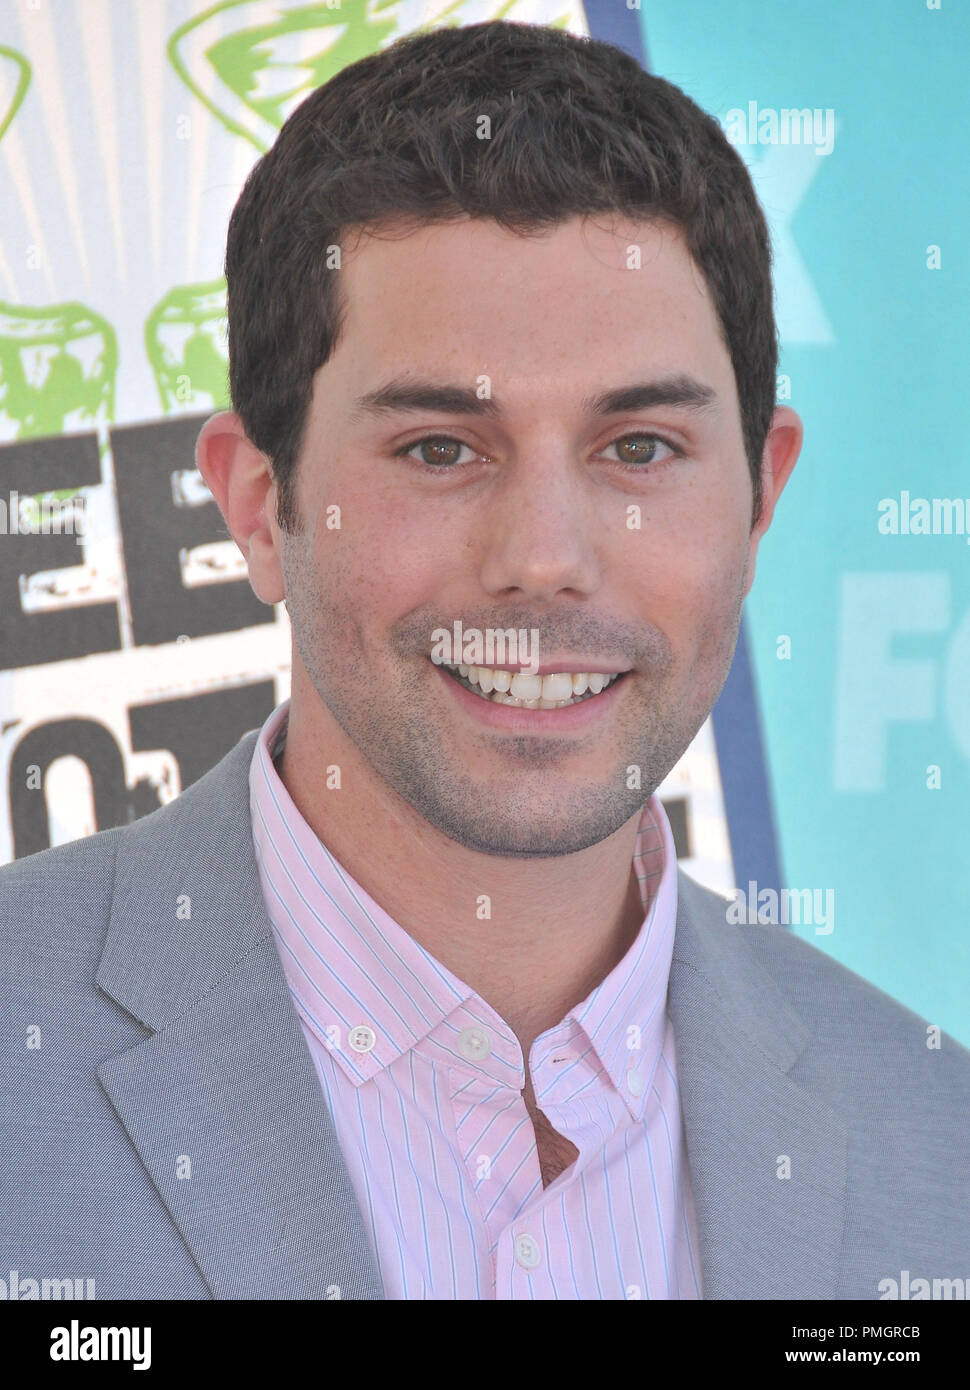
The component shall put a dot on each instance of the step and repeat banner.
(133, 653)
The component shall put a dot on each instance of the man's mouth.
(558, 690)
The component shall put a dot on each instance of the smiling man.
(431, 1011)
(509, 511)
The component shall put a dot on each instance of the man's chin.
(521, 832)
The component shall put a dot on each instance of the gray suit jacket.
(143, 1040)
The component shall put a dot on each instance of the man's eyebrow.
(681, 390)
(405, 394)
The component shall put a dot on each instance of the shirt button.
(474, 1044)
(635, 1082)
(362, 1038)
(527, 1251)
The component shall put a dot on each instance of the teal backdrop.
(867, 723)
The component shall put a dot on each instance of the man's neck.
(532, 937)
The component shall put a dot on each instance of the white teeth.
(526, 687)
(557, 687)
(522, 690)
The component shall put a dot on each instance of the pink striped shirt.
(424, 1081)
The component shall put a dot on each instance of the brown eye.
(437, 451)
(639, 449)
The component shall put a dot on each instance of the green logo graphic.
(57, 370)
(57, 363)
(14, 78)
(252, 78)
(185, 338)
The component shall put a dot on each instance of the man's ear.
(240, 478)
(782, 447)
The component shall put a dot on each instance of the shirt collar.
(348, 963)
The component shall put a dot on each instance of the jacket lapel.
(221, 1101)
(763, 1235)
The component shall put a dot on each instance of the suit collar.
(241, 1146)
(186, 906)
(748, 1121)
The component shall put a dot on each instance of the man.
(407, 997)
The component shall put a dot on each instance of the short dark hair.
(577, 127)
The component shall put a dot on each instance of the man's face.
(522, 518)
